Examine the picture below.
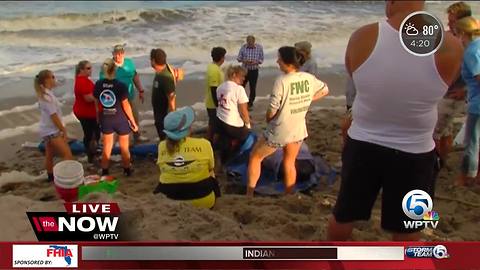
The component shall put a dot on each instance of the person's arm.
(448, 59)
(138, 84)
(170, 92)
(89, 98)
(243, 109)
(275, 100)
(171, 102)
(321, 92)
(213, 90)
(58, 123)
(240, 55)
(350, 92)
(128, 111)
(260, 58)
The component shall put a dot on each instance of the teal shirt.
(125, 74)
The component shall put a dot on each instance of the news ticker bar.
(211, 253)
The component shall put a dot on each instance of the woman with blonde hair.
(233, 119)
(84, 107)
(115, 115)
(468, 30)
(52, 130)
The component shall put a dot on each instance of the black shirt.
(110, 94)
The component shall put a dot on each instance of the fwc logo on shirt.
(44, 256)
(418, 205)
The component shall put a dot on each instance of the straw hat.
(468, 25)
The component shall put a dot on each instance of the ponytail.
(109, 68)
(38, 81)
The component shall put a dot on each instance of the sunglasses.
(52, 77)
(88, 68)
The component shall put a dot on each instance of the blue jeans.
(472, 141)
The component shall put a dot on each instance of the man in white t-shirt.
(232, 111)
(290, 100)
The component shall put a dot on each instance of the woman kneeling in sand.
(52, 130)
(186, 164)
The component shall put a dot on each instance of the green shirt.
(163, 85)
(213, 78)
(125, 74)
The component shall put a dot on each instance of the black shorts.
(212, 115)
(118, 125)
(224, 129)
(367, 168)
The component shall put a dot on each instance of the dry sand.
(299, 217)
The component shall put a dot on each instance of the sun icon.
(410, 29)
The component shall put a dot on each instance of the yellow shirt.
(191, 163)
(214, 78)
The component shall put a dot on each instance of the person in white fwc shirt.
(390, 142)
(292, 94)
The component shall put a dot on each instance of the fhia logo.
(45, 256)
(81, 222)
(418, 205)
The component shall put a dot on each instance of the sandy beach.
(298, 217)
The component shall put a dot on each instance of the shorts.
(50, 137)
(277, 145)
(367, 168)
(121, 126)
(448, 109)
(224, 129)
(212, 115)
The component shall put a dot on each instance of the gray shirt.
(291, 97)
(310, 66)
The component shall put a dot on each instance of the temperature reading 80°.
(429, 30)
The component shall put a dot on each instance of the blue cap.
(177, 123)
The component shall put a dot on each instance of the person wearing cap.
(468, 30)
(163, 89)
(251, 56)
(115, 116)
(453, 103)
(308, 64)
(126, 73)
(186, 164)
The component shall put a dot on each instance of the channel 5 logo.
(418, 206)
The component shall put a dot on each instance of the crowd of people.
(394, 135)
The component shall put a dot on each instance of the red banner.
(188, 255)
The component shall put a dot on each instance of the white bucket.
(68, 174)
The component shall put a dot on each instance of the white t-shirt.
(291, 96)
(48, 107)
(229, 95)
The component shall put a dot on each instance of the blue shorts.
(118, 125)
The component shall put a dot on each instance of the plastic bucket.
(68, 176)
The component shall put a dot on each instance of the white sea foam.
(19, 130)
(18, 177)
(19, 109)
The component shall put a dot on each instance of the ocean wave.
(79, 20)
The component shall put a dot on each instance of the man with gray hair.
(251, 56)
